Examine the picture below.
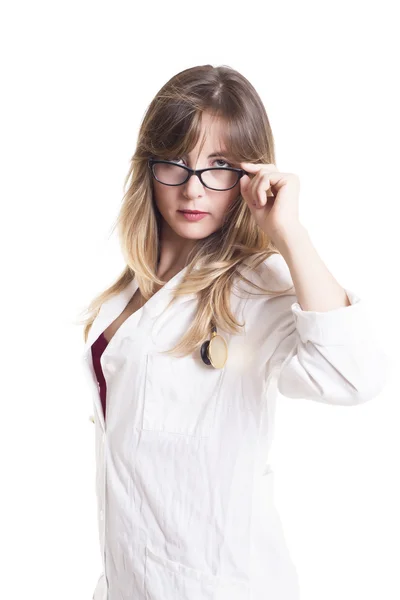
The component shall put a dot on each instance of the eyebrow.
(216, 154)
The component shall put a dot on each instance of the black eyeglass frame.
(197, 172)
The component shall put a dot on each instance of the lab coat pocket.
(180, 395)
(170, 580)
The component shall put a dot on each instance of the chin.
(190, 233)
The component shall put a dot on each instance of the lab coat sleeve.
(331, 356)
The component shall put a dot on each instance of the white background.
(76, 80)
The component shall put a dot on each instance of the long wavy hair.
(171, 126)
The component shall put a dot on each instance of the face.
(192, 195)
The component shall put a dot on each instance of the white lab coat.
(184, 487)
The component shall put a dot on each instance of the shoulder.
(275, 270)
(272, 273)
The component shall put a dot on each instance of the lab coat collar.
(114, 306)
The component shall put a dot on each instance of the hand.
(273, 198)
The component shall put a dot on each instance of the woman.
(223, 302)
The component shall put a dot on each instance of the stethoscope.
(214, 352)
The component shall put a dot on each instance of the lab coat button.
(91, 418)
(101, 515)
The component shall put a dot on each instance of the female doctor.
(224, 301)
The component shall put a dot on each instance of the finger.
(244, 186)
(261, 189)
(254, 168)
(258, 190)
(253, 187)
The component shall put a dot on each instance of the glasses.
(213, 178)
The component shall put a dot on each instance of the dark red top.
(98, 348)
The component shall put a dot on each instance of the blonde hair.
(171, 127)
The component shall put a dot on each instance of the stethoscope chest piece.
(214, 351)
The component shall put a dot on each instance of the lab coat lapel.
(113, 307)
(109, 311)
(156, 306)
(159, 302)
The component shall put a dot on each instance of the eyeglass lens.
(219, 179)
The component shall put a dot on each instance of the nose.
(193, 188)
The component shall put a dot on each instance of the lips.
(193, 212)
(193, 216)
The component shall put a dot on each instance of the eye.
(175, 159)
(224, 161)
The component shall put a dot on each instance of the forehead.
(213, 128)
(211, 141)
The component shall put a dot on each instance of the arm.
(327, 349)
(316, 288)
